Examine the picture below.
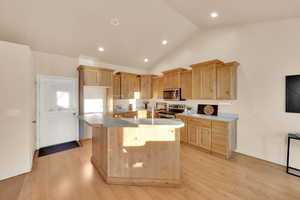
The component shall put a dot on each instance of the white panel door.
(57, 110)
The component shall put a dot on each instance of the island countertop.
(220, 117)
(106, 120)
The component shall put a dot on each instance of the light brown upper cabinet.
(204, 80)
(157, 87)
(227, 81)
(117, 86)
(94, 76)
(186, 84)
(146, 86)
(129, 86)
(172, 78)
(214, 80)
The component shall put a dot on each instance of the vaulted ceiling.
(74, 28)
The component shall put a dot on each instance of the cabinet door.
(155, 88)
(105, 78)
(226, 81)
(161, 88)
(117, 86)
(90, 77)
(204, 82)
(183, 130)
(166, 81)
(171, 80)
(137, 87)
(186, 85)
(146, 87)
(124, 86)
(129, 86)
(204, 138)
(175, 80)
(193, 134)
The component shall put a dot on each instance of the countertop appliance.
(205, 109)
(173, 94)
(171, 111)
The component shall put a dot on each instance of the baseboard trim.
(260, 159)
(22, 172)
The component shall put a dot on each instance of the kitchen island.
(136, 151)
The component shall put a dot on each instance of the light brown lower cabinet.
(212, 135)
(184, 133)
(199, 133)
(184, 130)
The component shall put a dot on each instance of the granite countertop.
(220, 117)
(108, 121)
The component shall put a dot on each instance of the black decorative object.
(293, 94)
(205, 109)
(288, 168)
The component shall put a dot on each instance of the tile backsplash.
(224, 106)
(124, 103)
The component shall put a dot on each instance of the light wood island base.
(146, 155)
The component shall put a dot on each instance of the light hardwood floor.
(70, 175)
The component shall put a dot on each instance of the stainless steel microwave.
(172, 94)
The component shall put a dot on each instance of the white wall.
(55, 65)
(58, 65)
(267, 53)
(90, 61)
(17, 112)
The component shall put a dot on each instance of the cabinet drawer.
(220, 125)
(200, 122)
(129, 115)
(181, 117)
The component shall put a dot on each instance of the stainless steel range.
(171, 111)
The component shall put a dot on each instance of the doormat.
(57, 148)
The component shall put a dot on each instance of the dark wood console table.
(292, 170)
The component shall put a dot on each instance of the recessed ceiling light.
(146, 60)
(214, 15)
(115, 22)
(164, 42)
(101, 49)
